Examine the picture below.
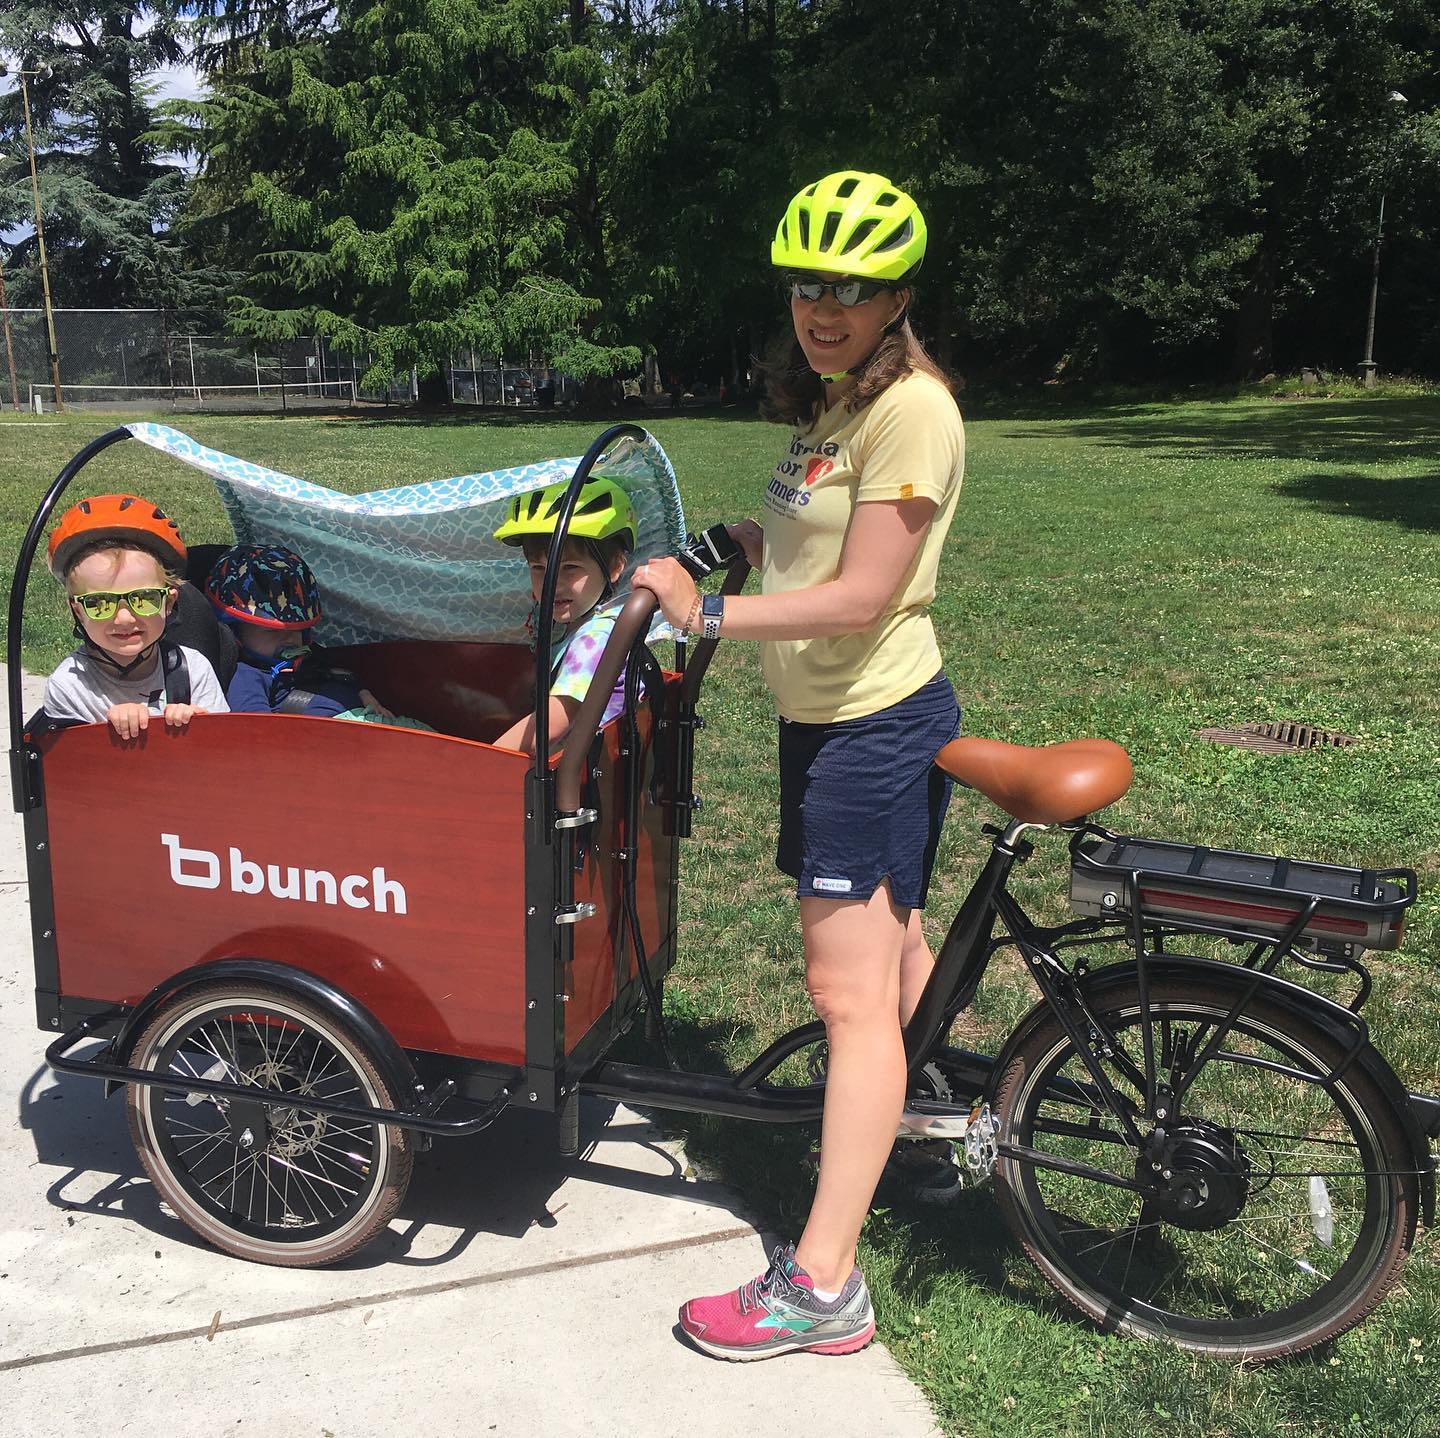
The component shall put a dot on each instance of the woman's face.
(836, 339)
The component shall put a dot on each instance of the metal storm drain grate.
(1278, 736)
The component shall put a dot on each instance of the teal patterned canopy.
(419, 562)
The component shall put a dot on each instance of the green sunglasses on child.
(100, 604)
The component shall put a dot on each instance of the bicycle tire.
(305, 1162)
(1248, 1257)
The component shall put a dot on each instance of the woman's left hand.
(671, 585)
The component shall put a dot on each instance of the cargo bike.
(334, 942)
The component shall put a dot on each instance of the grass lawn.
(1137, 571)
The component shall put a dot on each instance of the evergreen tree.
(415, 180)
(109, 195)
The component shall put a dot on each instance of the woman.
(856, 515)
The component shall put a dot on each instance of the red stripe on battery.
(1261, 912)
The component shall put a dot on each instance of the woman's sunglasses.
(102, 603)
(848, 293)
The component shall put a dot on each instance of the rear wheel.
(275, 1183)
(1277, 1211)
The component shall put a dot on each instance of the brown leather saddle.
(1041, 784)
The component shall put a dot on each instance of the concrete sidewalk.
(516, 1294)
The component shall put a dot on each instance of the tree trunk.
(1255, 317)
(434, 391)
(944, 341)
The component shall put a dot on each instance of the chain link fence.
(141, 359)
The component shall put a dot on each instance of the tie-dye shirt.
(574, 660)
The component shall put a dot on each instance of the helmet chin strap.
(101, 656)
(892, 328)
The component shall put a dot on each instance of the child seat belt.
(315, 668)
(176, 673)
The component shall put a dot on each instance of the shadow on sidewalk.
(501, 1182)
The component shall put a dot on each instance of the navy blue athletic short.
(861, 800)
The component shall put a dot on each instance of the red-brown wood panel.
(475, 691)
(388, 861)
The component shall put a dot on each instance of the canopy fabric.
(418, 562)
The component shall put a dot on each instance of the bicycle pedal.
(979, 1145)
(925, 1119)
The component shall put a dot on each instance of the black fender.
(393, 1061)
(1336, 1021)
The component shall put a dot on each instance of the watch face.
(712, 604)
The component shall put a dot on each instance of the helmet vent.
(827, 235)
(846, 188)
(128, 501)
(863, 231)
(888, 198)
(594, 504)
(804, 221)
(900, 238)
(84, 507)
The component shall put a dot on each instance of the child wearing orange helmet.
(120, 559)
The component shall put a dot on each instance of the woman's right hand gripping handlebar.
(751, 539)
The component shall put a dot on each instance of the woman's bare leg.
(916, 965)
(852, 969)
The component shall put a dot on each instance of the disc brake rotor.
(293, 1131)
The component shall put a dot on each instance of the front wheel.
(275, 1183)
(1277, 1211)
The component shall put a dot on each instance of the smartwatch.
(712, 611)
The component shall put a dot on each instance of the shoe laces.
(754, 1293)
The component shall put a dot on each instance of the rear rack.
(1333, 910)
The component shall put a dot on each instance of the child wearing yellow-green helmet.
(598, 545)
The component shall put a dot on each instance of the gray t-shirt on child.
(82, 689)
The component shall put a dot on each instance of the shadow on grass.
(1349, 432)
(1412, 500)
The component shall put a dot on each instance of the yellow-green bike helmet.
(851, 223)
(602, 511)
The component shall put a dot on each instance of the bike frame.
(969, 946)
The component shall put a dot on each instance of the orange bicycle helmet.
(124, 517)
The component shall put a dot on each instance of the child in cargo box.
(269, 598)
(600, 540)
(120, 559)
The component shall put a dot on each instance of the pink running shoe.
(779, 1313)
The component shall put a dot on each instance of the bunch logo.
(203, 869)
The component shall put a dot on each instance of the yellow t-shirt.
(907, 444)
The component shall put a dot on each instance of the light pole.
(1367, 365)
(40, 228)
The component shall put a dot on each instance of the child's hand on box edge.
(177, 716)
(128, 720)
